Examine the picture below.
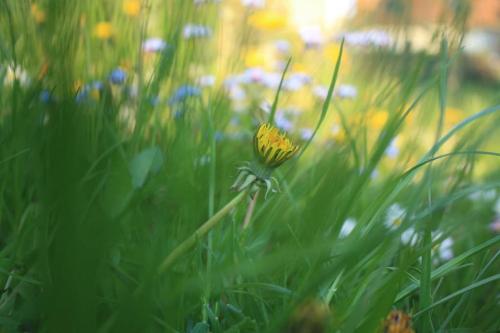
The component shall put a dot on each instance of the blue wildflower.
(184, 92)
(118, 76)
(92, 91)
(45, 96)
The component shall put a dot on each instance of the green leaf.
(200, 328)
(146, 162)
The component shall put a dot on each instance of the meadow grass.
(100, 183)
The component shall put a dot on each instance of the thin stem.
(251, 207)
(200, 232)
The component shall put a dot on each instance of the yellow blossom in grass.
(131, 7)
(103, 30)
(267, 20)
(255, 58)
(378, 119)
(38, 14)
(272, 147)
(299, 67)
(453, 116)
(398, 322)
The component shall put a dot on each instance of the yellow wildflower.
(398, 322)
(267, 20)
(453, 116)
(272, 147)
(255, 58)
(37, 13)
(378, 119)
(103, 30)
(131, 7)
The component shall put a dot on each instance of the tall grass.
(99, 186)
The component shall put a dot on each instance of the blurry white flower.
(495, 225)
(392, 151)
(154, 44)
(16, 73)
(196, 31)
(236, 92)
(296, 81)
(271, 80)
(253, 3)
(253, 75)
(202, 160)
(347, 227)
(346, 91)
(265, 106)
(206, 81)
(409, 237)
(373, 37)
(320, 91)
(445, 249)
(282, 46)
(375, 173)
(312, 36)
(483, 195)
(395, 216)
(282, 122)
(306, 133)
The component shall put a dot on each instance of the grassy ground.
(102, 178)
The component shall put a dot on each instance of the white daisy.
(196, 31)
(346, 91)
(312, 36)
(154, 44)
(395, 216)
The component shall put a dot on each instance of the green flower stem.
(200, 232)
(251, 206)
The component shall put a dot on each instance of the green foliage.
(99, 185)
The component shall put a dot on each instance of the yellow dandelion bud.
(267, 20)
(131, 7)
(103, 30)
(272, 147)
(38, 14)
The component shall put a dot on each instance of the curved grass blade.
(276, 98)
(326, 104)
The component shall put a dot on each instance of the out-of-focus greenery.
(113, 151)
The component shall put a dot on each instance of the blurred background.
(123, 124)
